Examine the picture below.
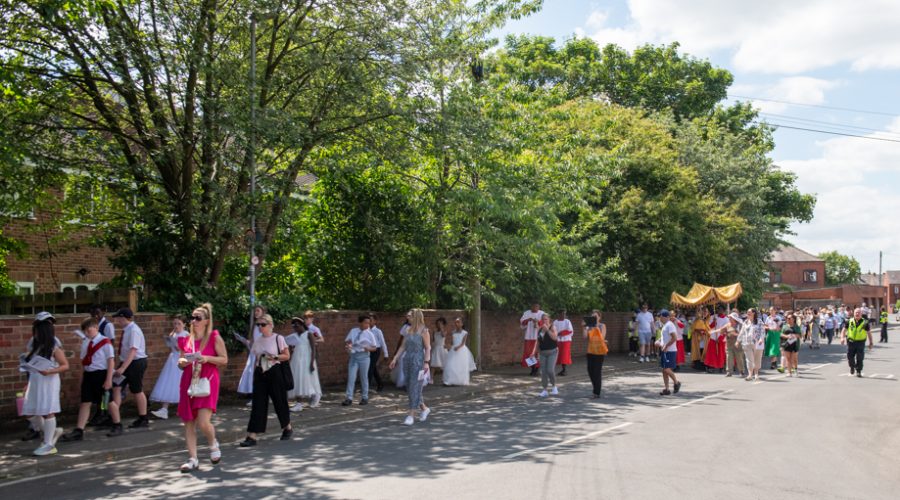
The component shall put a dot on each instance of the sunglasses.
(197, 318)
(261, 325)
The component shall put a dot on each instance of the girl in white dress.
(397, 371)
(245, 386)
(438, 351)
(459, 362)
(168, 384)
(304, 366)
(42, 395)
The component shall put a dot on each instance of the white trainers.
(424, 416)
(554, 391)
(162, 413)
(314, 402)
(249, 403)
(409, 420)
(543, 394)
(297, 408)
(641, 360)
(44, 450)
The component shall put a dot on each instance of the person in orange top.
(595, 333)
(699, 337)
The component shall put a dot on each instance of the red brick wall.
(50, 261)
(502, 344)
(792, 273)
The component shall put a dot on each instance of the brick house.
(795, 268)
(54, 264)
(797, 279)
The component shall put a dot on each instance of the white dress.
(306, 383)
(42, 395)
(168, 384)
(245, 386)
(458, 363)
(438, 351)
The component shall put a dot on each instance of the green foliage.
(840, 269)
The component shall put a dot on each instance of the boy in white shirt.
(133, 355)
(668, 352)
(98, 359)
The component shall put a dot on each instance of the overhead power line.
(844, 134)
(836, 108)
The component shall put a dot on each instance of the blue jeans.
(359, 363)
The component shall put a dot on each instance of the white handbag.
(199, 387)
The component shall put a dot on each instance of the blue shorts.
(645, 337)
(667, 359)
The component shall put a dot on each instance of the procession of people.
(283, 368)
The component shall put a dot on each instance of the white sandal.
(190, 466)
(215, 454)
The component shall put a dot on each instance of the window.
(897, 290)
(776, 276)
(24, 287)
(810, 276)
(766, 277)
(75, 288)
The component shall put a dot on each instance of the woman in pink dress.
(203, 352)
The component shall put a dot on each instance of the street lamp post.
(251, 146)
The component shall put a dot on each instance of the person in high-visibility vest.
(884, 325)
(857, 331)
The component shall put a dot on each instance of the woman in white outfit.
(304, 366)
(42, 395)
(459, 361)
(168, 385)
(438, 351)
(245, 386)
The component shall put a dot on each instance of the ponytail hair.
(206, 310)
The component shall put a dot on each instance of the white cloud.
(768, 36)
(854, 181)
(794, 89)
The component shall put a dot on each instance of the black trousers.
(595, 371)
(856, 351)
(374, 357)
(267, 386)
(883, 332)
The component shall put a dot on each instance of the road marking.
(817, 367)
(568, 441)
(890, 376)
(874, 376)
(682, 405)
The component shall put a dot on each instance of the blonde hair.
(206, 309)
(417, 321)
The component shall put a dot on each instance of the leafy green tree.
(840, 269)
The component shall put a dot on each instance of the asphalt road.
(822, 435)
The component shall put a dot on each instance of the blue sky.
(814, 54)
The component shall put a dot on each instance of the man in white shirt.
(668, 352)
(133, 357)
(375, 356)
(108, 330)
(644, 324)
(529, 322)
(359, 343)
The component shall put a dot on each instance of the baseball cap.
(664, 313)
(123, 313)
(44, 316)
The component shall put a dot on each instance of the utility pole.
(881, 279)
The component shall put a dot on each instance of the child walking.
(167, 385)
(42, 396)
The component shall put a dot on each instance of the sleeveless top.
(596, 342)
(545, 341)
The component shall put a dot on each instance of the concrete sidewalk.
(165, 437)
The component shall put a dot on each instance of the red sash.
(93, 348)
